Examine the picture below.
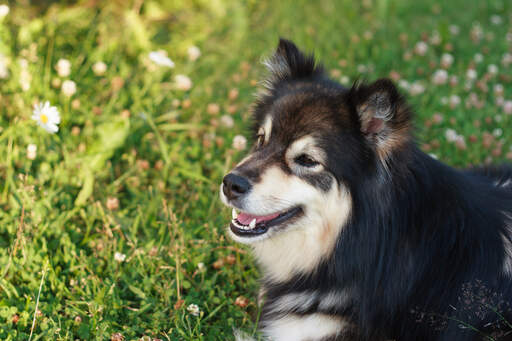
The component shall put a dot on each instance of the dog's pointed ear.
(383, 114)
(289, 62)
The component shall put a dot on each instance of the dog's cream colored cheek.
(304, 244)
(278, 191)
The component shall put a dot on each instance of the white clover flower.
(416, 88)
(31, 151)
(492, 69)
(435, 39)
(478, 58)
(477, 32)
(497, 132)
(47, 117)
(361, 68)
(508, 37)
(454, 29)
(507, 107)
(451, 135)
(119, 257)
(183, 82)
(193, 309)
(498, 89)
(404, 84)
(193, 53)
(471, 74)
(506, 60)
(344, 80)
(227, 121)
(4, 10)
(454, 100)
(63, 67)
(68, 88)
(440, 77)
(201, 267)
(99, 68)
(496, 20)
(239, 142)
(160, 58)
(25, 76)
(4, 72)
(446, 60)
(421, 48)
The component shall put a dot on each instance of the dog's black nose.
(235, 186)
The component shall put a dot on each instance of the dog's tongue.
(246, 218)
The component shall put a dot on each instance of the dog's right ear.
(383, 114)
(288, 62)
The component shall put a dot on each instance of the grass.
(136, 164)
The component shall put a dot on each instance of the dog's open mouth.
(248, 225)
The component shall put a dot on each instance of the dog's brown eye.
(305, 161)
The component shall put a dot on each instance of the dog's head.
(314, 141)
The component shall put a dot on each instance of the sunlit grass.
(122, 203)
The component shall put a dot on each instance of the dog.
(359, 234)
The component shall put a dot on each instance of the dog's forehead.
(300, 113)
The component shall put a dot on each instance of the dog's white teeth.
(252, 224)
(234, 214)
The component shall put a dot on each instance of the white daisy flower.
(68, 88)
(47, 116)
(193, 309)
(63, 67)
(160, 58)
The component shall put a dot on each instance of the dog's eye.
(305, 161)
(259, 140)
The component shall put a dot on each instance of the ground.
(112, 228)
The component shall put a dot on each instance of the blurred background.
(111, 227)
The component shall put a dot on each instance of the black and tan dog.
(359, 234)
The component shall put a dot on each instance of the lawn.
(111, 228)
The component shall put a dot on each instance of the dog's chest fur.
(306, 315)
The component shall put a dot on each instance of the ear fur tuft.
(288, 62)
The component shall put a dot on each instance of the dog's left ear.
(382, 111)
(288, 62)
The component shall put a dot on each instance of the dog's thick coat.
(378, 240)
